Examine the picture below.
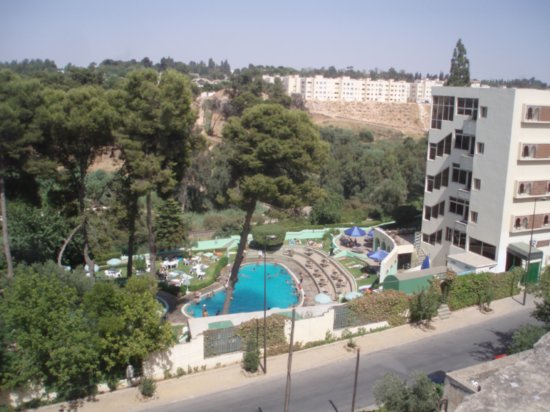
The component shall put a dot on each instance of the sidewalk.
(215, 380)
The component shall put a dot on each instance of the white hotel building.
(487, 194)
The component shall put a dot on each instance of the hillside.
(409, 119)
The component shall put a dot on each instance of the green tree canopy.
(459, 75)
(274, 155)
(156, 140)
(20, 100)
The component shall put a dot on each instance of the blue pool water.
(248, 295)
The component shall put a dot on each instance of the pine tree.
(460, 67)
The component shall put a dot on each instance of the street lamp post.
(266, 238)
(530, 247)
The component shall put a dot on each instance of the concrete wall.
(313, 325)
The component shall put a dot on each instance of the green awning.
(220, 325)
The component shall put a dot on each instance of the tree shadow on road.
(488, 350)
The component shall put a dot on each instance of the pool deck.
(319, 273)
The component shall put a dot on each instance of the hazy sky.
(504, 39)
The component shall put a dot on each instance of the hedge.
(389, 305)
(466, 289)
(275, 325)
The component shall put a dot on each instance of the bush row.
(390, 305)
(466, 290)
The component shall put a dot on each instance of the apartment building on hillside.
(487, 193)
(346, 89)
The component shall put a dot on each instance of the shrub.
(147, 387)
(251, 359)
(389, 305)
(396, 396)
(525, 337)
(260, 232)
(423, 305)
(276, 339)
(482, 288)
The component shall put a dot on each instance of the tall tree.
(19, 101)
(157, 138)
(274, 154)
(459, 74)
(78, 127)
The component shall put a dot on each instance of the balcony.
(526, 223)
(536, 114)
(534, 152)
(532, 189)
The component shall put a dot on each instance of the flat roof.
(472, 259)
(522, 250)
(433, 271)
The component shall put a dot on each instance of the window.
(459, 238)
(462, 176)
(432, 151)
(467, 107)
(481, 148)
(473, 216)
(477, 184)
(545, 221)
(524, 189)
(548, 188)
(449, 234)
(442, 109)
(429, 183)
(482, 248)
(434, 211)
(432, 238)
(483, 111)
(459, 206)
(464, 141)
(437, 181)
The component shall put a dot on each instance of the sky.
(504, 39)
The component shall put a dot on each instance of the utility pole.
(355, 381)
(289, 366)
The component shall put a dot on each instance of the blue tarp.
(355, 231)
(425, 263)
(379, 255)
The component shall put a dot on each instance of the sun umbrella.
(370, 234)
(352, 295)
(425, 263)
(355, 231)
(96, 268)
(114, 262)
(322, 299)
(379, 255)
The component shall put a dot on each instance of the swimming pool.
(248, 295)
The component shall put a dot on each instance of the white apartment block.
(346, 89)
(421, 90)
(292, 84)
(487, 194)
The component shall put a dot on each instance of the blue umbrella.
(355, 231)
(426, 263)
(370, 234)
(379, 255)
(322, 299)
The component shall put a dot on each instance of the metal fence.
(220, 341)
(345, 318)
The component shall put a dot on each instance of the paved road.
(329, 388)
